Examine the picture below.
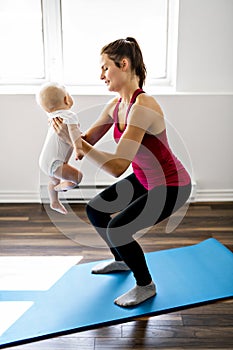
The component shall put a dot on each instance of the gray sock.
(136, 295)
(110, 266)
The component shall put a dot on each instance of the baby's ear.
(66, 100)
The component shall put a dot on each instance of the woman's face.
(111, 74)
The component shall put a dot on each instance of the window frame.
(53, 55)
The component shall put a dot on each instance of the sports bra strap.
(133, 99)
(135, 95)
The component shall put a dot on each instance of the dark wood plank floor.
(26, 229)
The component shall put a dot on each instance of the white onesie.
(55, 151)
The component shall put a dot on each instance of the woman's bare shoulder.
(149, 102)
(110, 105)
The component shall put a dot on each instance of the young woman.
(159, 183)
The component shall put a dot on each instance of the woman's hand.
(61, 130)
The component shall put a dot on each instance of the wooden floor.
(26, 229)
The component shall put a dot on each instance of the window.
(21, 41)
(86, 28)
(60, 40)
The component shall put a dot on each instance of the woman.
(158, 185)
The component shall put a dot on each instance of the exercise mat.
(76, 300)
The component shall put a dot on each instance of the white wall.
(201, 111)
(205, 49)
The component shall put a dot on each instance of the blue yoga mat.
(80, 300)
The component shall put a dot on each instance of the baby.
(56, 102)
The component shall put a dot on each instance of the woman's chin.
(111, 88)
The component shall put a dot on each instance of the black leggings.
(134, 209)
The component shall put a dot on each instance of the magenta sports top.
(154, 164)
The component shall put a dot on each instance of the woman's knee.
(117, 234)
(98, 217)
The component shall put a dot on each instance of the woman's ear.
(124, 64)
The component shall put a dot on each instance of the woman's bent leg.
(165, 202)
(110, 201)
(145, 211)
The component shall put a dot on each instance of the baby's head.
(53, 96)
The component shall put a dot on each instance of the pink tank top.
(154, 164)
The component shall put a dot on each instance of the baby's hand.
(79, 154)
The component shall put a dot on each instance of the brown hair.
(129, 48)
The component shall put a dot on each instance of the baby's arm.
(75, 135)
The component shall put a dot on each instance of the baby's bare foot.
(57, 206)
(64, 186)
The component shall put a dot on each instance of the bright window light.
(88, 25)
(60, 40)
(21, 41)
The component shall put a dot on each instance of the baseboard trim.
(214, 195)
(19, 197)
(87, 192)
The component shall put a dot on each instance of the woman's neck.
(126, 93)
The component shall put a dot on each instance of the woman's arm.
(102, 124)
(139, 121)
(98, 129)
(110, 162)
(95, 132)
(143, 117)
